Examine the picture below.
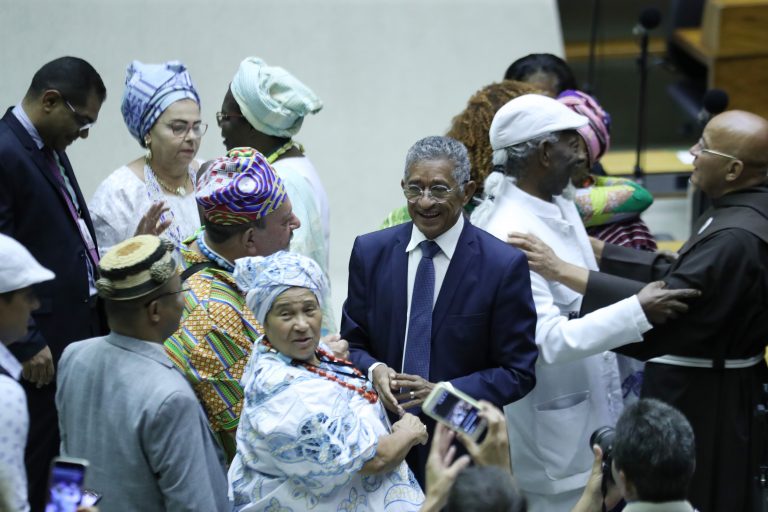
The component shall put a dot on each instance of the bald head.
(732, 154)
(741, 134)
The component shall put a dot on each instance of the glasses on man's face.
(437, 193)
(84, 122)
(181, 128)
(701, 147)
(166, 294)
(221, 117)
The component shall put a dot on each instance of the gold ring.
(413, 395)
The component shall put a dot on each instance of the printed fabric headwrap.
(149, 90)
(263, 279)
(135, 268)
(239, 188)
(272, 100)
(596, 134)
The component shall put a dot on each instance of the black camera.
(603, 437)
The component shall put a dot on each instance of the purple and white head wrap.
(149, 90)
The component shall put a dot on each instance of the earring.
(148, 156)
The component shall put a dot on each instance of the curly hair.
(471, 126)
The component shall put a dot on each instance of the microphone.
(714, 102)
(650, 18)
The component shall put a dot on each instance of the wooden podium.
(733, 45)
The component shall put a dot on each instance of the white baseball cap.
(18, 268)
(529, 116)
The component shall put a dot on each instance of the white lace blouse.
(122, 199)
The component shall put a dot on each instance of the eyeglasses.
(221, 117)
(700, 147)
(437, 193)
(181, 128)
(83, 121)
(166, 294)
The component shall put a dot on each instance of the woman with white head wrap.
(264, 108)
(313, 434)
(154, 193)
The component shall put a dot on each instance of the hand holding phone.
(456, 410)
(65, 484)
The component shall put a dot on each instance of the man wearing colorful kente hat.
(246, 212)
(122, 404)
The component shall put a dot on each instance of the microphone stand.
(642, 62)
(589, 85)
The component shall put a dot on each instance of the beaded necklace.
(155, 193)
(283, 150)
(366, 390)
(213, 255)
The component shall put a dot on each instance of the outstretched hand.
(382, 383)
(661, 304)
(494, 449)
(541, 257)
(442, 469)
(150, 222)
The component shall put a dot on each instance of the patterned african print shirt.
(213, 343)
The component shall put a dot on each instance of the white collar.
(447, 241)
(26, 122)
(9, 362)
(535, 205)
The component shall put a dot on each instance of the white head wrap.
(272, 100)
(263, 279)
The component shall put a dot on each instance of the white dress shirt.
(447, 243)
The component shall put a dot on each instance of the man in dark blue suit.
(42, 207)
(438, 299)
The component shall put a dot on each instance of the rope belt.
(697, 362)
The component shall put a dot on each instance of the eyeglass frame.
(202, 127)
(166, 294)
(428, 192)
(221, 117)
(84, 126)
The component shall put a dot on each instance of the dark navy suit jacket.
(483, 323)
(34, 212)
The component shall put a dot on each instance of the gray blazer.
(126, 409)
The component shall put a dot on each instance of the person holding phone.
(313, 434)
(19, 272)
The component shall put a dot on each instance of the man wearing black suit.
(42, 207)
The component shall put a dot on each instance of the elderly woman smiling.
(313, 434)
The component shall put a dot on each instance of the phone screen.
(456, 412)
(65, 487)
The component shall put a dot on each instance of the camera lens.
(603, 437)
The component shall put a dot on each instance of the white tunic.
(578, 388)
(122, 199)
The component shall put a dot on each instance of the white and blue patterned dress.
(302, 440)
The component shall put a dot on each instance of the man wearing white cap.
(19, 271)
(578, 388)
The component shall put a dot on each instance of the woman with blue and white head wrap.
(312, 433)
(154, 193)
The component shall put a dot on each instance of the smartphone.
(90, 498)
(460, 412)
(65, 484)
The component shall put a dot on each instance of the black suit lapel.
(399, 272)
(35, 154)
